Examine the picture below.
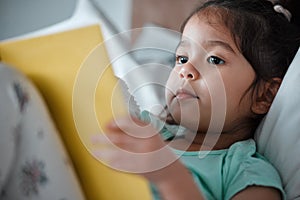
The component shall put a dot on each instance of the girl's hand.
(136, 147)
(131, 145)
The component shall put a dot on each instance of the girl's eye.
(182, 59)
(215, 60)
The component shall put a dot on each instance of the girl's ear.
(265, 94)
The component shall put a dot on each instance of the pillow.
(52, 63)
(278, 136)
(38, 166)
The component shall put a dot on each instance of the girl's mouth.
(185, 94)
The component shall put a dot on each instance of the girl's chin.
(186, 120)
(184, 107)
(186, 113)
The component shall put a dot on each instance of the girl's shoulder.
(244, 166)
(231, 170)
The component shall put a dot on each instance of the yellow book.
(72, 71)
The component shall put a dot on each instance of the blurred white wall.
(30, 18)
(18, 17)
(118, 11)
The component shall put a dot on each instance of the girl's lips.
(185, 94)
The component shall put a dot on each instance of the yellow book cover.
(72, 71)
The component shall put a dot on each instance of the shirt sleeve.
(254, 170)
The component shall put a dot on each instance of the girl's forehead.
(200, 29)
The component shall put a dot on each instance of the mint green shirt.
(220, 174)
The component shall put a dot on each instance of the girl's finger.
(107, 139)
(125, 123)
(132, 127)
(105, 154)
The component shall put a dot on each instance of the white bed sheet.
(278, 136)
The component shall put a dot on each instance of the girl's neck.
(208, 141)
(205, 141)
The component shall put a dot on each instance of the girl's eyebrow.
(208, 45)
(213, 43)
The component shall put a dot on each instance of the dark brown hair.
(265, 37)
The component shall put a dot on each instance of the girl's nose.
(189, 72)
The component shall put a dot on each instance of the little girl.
(230, 62)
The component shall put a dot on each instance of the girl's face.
(209, 80)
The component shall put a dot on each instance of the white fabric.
(34, 164)
(146, 66)
(278, 136)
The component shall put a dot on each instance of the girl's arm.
(176, 183)
(258, 193)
